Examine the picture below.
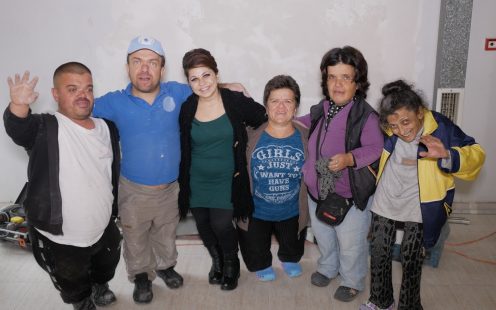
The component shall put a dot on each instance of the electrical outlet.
(490, 44)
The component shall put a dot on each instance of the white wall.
(479, 108)
(251, 40)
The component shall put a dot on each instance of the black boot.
(215, 274)
(231, 272)
(142, 293)
(102, 295)
(171, 278)
(85, 304)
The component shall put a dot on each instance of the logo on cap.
(144, 42)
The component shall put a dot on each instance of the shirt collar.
(128, 90)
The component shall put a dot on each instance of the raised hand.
(22, 89)
(236, 87)
(435, 148)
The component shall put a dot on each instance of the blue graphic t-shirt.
(276, 175)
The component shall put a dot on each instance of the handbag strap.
(317, 152)
(332, 111)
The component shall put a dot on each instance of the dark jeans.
(381, 286)
(216, 228)
(73, 269)
(255, 243)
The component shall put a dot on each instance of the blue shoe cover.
(292, 269)
(266, 274)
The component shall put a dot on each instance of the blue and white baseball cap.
(144, 42)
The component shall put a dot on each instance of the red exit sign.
(490, 44)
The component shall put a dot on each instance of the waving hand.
(22, 93)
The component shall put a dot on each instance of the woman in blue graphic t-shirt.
(275, 155)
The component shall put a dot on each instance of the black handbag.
(333, 209)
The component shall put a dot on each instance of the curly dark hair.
(397, 95)
(349, 56)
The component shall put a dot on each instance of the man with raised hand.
(72, 191)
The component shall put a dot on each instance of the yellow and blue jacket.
(437, 184)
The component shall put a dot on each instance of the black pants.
(73, 269)
(381, 286)
(216, 228)
(255, 243)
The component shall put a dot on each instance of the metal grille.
(449, 103)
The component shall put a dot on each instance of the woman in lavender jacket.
(350, 144)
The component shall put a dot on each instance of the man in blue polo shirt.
(147, 116)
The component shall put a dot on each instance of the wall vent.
(449, 103)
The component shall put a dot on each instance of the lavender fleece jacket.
(333, 142)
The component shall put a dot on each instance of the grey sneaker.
(171, 278)
(345, 294)
(101, 295)
(320, 280)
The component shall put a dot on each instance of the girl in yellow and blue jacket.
(423, 152)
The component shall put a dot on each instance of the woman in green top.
(213, 176)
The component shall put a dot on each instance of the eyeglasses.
(345, 79)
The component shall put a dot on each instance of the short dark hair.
(282, 81)
(397, 95)
(199, 57)
(70, 67)
(349, 56)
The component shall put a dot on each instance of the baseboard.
(187, 226)
(474, 208)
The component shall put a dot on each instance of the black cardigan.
(242, 112)
(38, 134)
